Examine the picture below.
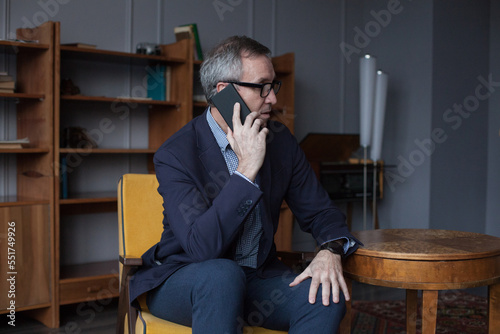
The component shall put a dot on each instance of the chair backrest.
(140, 214)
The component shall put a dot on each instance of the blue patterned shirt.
(247, 246)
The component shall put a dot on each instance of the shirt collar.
(219, 134)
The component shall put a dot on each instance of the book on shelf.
(81, 45)
(13, 144)
(7, 85)
(190, 31)
(156, 82)
(4, 76)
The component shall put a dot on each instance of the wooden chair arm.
(130, 266)
(131, 261)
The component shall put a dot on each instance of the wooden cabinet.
(27, 227)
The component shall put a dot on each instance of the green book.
(190, 31)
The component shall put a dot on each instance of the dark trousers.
(219, 296)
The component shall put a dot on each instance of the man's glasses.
(265, 88)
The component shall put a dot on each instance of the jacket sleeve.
(204, 212)
(315, 211)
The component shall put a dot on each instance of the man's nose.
(271, 98)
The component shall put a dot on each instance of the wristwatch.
(334, 247)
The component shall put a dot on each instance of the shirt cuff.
(246, 178)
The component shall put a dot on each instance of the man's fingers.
(343, 287)
(298, 279)
(252, 120)
(325, 293)
(313, 290)
(257, 123)
(236, 115)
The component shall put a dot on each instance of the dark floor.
(96, 318)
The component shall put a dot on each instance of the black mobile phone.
(224, 102)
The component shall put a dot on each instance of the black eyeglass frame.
(261, 86)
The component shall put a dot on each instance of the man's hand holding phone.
(248, 141)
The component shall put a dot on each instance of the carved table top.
(426, 244)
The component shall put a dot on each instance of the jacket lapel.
(210, 156)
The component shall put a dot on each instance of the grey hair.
(223, 62)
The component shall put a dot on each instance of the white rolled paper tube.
(379, 115)
(367, 74)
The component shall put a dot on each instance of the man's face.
(257, 70)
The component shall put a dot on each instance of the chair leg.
(122, 305)
(124, 302)
(132, 319)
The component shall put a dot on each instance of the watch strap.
(334, 247)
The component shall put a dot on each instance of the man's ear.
(220, 86)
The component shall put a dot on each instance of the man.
(215, 268)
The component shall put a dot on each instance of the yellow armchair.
(140, 215)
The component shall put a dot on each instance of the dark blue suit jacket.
(205, 207)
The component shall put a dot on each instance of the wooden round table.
(427, 260)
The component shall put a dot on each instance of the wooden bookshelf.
(32, 208)
(92, 281)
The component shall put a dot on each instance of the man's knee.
(334, 312)
(326, 317)
(222, 274)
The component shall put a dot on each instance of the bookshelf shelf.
(83, 203)
(84, 98)
(108, 150)
(24, 150)
(116, 56)
(21, 201)
(94, 197)
(13, 45)
(26, 96)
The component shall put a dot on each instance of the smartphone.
(224, 102)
